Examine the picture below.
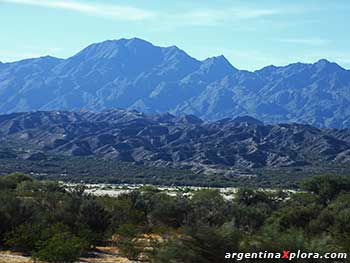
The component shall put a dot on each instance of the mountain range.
(165, 140)
(136, 75)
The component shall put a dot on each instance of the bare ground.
(103, 255)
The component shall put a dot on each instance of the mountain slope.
(134, 74)
(167, 140)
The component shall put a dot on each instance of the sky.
(251, 34)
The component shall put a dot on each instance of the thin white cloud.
(213, 17)
(118, 12)
(306, 41)
(194, 17)
(236, 16)
(245, 13)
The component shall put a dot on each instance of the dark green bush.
(62, 247)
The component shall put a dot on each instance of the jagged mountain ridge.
(173, 141)
(134, 74)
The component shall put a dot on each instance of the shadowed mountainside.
(134, 74)
(169, 141)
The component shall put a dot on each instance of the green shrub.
(62, 247)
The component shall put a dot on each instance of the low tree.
(11, 181)
(94, 217)
(202, 245)
(61, 247)
(208, 207)
(327, 187)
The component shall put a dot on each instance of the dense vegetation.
(78, 169)
(50, 223)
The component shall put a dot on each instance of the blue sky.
(250, 33)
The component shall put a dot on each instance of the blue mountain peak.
(133, 73)
(327, 66)
(218, 65)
